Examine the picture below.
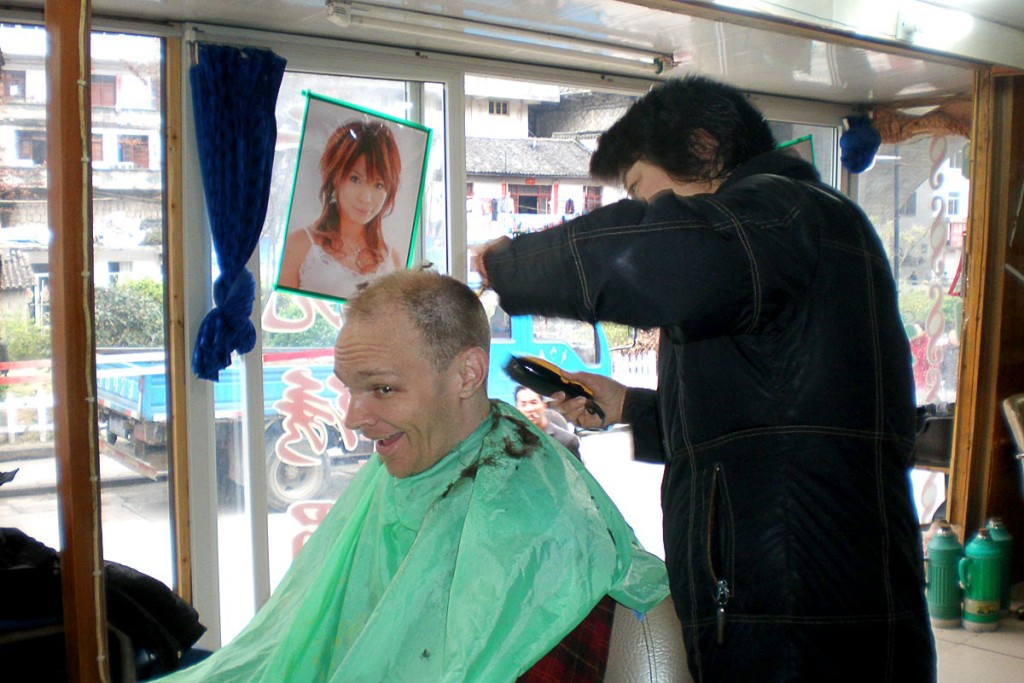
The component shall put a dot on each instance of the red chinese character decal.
(309, 415)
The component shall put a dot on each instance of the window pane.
(435, 197)
(528, 168)
(823, 144)
(104, 90)
(913, 195)
(128, 220)
(308, 454)
(129, 325)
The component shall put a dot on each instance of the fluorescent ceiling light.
(349, 15)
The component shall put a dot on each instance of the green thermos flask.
(944, 594)
(1004, 540)
(979, 572)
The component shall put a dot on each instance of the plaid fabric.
(582, 655)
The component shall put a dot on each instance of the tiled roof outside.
(533, 157)
(15, 270)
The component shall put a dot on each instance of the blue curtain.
(234, 93)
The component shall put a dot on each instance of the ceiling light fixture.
(512, 42)
(339, 13)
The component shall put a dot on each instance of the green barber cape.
(470, 571)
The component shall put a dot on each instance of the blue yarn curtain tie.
(859, 144)
(227, 327)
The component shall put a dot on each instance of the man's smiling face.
(398, 398)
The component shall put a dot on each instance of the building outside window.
(530, 198)
(134, 150)
(13, 86)
(909, 207)
(953, 204)
(104, 90)
(119, 270)
(31, 145)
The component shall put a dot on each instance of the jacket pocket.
(719, 547)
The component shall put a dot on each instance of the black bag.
(159, 625)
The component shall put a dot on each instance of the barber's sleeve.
(709, 265)
(547, 272)
(640, 411)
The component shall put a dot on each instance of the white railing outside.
(636, 369)
(26, 419)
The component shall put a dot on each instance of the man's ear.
(704, 145)
(473, 365)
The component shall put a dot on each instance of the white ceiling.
(1006, 12)
(729, 46)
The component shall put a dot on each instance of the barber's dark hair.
(694, 128)
(448, 315)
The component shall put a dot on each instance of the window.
(591, 197)
(953, 204)
(40, 306)
(118, 269)
(499, 107)
(501, 323)
(957, 234)
(582, 337)
(298, 338)
(530, 198)
(553, 131)
(824, 140)
(136, 520)
(31, 145)
(104, 90)
(901, 180)
(97, 147)
(134, 150)
(13, 85)
(960, 157)
(909, 207)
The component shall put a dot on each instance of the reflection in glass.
(907, 194)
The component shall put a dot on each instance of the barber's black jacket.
(784, 415)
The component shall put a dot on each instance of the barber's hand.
(608, 394)
(477, 252)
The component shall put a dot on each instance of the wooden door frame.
(983, 480)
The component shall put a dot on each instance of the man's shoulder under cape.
(516, 545)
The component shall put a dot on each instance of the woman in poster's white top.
(344, 247)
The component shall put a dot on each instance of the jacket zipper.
(722, 591)
(722, 598)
